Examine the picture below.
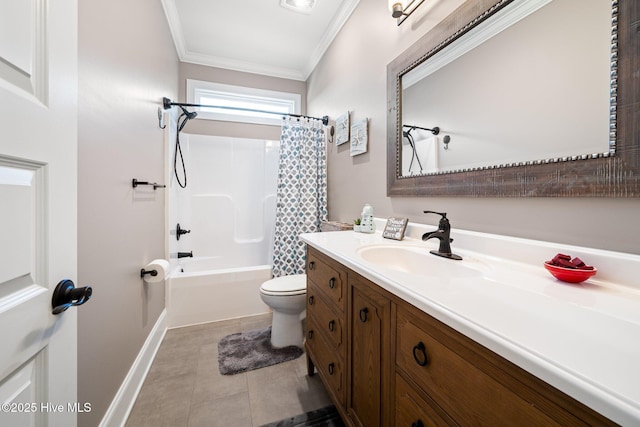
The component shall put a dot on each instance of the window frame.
(260, 99)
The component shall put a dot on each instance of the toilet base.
(286, 330)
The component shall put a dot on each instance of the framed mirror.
(575, 134)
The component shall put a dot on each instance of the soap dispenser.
(366, 224)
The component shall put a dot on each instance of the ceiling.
(257, 36)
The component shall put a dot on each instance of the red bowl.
(571, 275)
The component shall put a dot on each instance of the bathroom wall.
(352, 76)
(127, 63)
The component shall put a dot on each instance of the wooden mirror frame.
(616, 175)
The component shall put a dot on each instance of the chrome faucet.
(442, 233)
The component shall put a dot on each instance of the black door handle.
(66, 295)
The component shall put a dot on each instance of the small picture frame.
(395, 228)
(342, 128)
(359, 137)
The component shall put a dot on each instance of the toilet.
(286, 296)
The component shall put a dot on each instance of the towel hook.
(446, 141)
(135, 183)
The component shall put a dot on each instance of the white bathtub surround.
(229, 206)
(214, 295)
(580, 338)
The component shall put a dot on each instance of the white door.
(38, 146)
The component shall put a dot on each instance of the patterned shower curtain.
(301, 198)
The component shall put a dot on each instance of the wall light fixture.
(402, 9)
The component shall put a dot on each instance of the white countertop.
(583, 339)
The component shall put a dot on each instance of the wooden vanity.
(385, 363)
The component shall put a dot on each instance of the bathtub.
(209, 289)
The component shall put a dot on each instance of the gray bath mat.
(323, 417)
(251, 350)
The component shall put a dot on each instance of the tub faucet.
(185, 254)
(442, 234)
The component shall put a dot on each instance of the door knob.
(66, 295)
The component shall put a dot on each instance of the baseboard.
(122, 403)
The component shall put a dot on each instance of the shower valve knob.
(180, 231)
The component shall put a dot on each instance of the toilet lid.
(293, 284)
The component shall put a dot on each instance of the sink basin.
(418, 261)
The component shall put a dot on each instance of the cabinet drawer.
(325, 320)
(331, 280)
(327, 362)
(412, 410)
(466, 393)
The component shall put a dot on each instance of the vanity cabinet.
(391, 364)
(468, 382)
(368, 353)
(326, 323)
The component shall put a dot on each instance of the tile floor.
(185, 388)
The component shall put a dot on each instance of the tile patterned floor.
(185, 388)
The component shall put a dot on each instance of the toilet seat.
(286, 285)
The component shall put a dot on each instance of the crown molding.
(332, 31)
(301, 74)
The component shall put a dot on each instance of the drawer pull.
(332, 283)
(310, 334)
(331, 368)
(311, 300)
(423, 359)
(312, 265)
(417, 424)
(332, 325)
(363, 314)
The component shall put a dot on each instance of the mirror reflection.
(532, 83)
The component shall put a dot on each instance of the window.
(237, 101)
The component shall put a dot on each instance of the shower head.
(190, 115)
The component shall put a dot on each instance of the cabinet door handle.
(311, 300)
(420, 354)
(363, 314)
(312, 265)
(331, 368)
(332, 283)
(310, 334)
(332, 324)
(417, 423)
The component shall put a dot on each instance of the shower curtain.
(301, 197)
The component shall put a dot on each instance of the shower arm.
(435, 130)
(167, 103)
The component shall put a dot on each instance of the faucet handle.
(444, 222)
(442, 214)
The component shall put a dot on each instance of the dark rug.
(251, 350)
(323, 417)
